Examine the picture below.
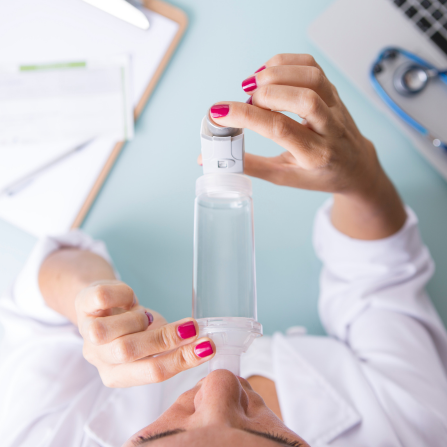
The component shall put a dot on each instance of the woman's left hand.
(130, 345)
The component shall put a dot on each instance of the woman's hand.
(131, 345)
(325, 152)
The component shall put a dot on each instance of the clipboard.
(178, 16)
(60, 198)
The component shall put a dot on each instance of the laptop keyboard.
(430, 16)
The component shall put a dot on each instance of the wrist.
(372, 209)
(66, 272)
(368, 177)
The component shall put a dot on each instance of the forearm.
(65, 273)
(373, 211)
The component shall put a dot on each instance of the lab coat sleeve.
(373, 298)
(42, 370)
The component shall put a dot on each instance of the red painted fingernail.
(150, 317)
(250, 100)
(203, 349)
(187, 330)
(260, 69)
(249, 84)
(219, 110)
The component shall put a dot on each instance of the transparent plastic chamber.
(224, 279)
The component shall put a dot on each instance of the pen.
(27, 179)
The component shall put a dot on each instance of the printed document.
(65, 100)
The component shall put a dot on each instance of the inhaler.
(224, 278)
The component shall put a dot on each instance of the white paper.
(19, 160)
(51, 30)
(52, 201)
(65, 100)
(48, 110)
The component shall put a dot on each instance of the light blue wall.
(145, 210)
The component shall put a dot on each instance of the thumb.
(265, 168)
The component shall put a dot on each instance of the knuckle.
(264, 94)
(270, 75)
(317, 77)
(127, 293)
(97, 332)
(122, 351)
(279, 59)
(184, 359)
(281, 127)
(166, 339)
(157, 372)
(246, 113)
(310, 101)
(101, 296)
(308, 59)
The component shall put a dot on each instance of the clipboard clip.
(131, 11)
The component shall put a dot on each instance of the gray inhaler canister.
(224, 277)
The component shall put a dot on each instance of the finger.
(309, 149)
(103, 330)
(292, 59)
(304, 102)
(143, 344)
(281, 170)
(268, 124)
(199, 160)
(309, 77)
(265, 168)
(160, 368)
(100, 299)
(299, 140)
(278, 170)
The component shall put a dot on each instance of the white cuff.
(26, 296)
(335, 248)
(357, 274)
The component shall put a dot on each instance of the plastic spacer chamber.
(224, 276)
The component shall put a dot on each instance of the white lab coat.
(379, 379)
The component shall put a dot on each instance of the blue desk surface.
(145, 210)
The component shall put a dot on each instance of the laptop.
(353, 32)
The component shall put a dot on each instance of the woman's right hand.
(325, 152)
(131, 345)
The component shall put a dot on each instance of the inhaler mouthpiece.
(232, 337)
